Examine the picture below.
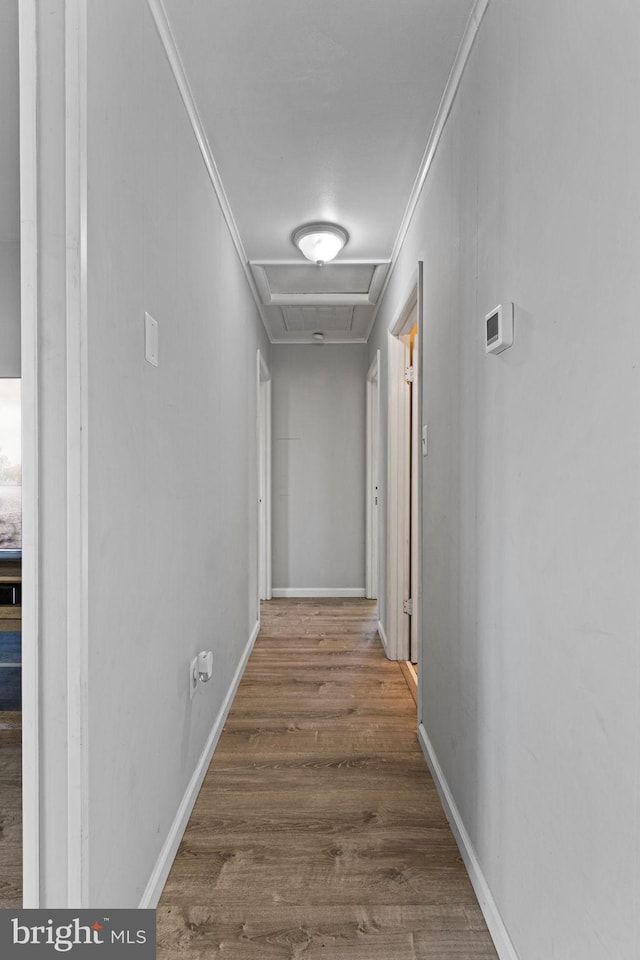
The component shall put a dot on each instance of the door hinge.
(407, 607)
(410, 374)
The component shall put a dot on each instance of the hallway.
(318, 830)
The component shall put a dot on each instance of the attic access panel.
(297, 283)
(313, 279)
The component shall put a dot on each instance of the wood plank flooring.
(10, 810)
(318, 832)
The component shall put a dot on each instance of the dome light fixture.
(320, 242)
(318, 336)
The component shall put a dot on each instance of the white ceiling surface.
(317, 111)
(9, 123)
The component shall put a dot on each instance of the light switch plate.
(150, 339)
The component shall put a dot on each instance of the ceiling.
(316, 111)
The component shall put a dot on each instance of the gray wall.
(9, 192)
(319, 466)
(172, 450)
(530, 670)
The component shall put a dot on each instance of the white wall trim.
(408, 304)
(440, 122)
(319, 592)
(77, 454)
(30, 363)
(383, 637)
(397, 500)
(263, 388)
(264, 373)
(163, 865)
(372, 503)
(374, 367)
(501, 939)
(168, 41)
(422, 467)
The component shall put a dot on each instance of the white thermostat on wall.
(498, 328)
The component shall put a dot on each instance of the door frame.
(414, 431)
(30, 473)
(263, 388)
(421, 474)
(399, 440)
(57, 116)
(76, 162)
(372, 570)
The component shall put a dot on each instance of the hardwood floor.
(10, 810)
(318, 832)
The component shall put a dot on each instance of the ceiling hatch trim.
(451, 89)
(340, 283)
(168, 41)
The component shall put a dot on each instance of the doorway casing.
(53, 263)
(264, 481)
(30, 551)
(373, 474)
(403, 509)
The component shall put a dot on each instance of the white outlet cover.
(150, 340)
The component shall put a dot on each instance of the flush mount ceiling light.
(318, 337)
(320, 242)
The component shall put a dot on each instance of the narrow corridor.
(318, 831)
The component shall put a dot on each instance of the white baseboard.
(165, 860)
(319, 592)
(501, 939)
(383, 637)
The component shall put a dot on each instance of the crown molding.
(170, 46)
(440, 122)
